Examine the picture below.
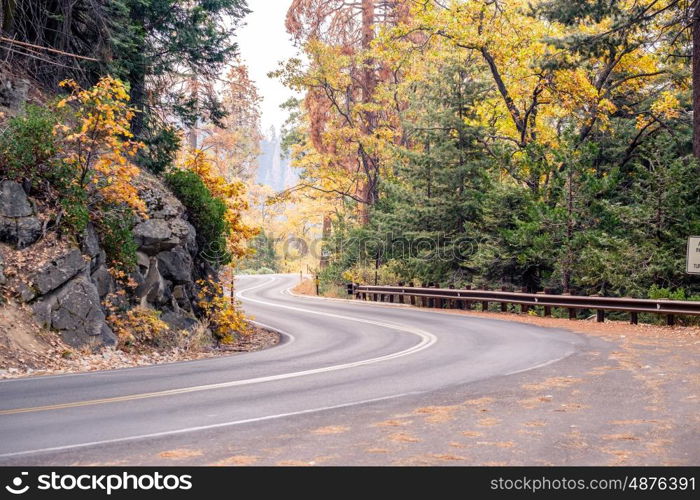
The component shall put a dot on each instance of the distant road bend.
(334, 354)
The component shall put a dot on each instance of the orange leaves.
(233, 195)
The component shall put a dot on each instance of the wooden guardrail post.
(413, 297)
(400, 296)
(504, 305)
(468, 303)
(548, 309)
(485, 303)
(634, 318)
(524, 308)
(600, 315)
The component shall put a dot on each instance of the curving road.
(335, 354)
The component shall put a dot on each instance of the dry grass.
(488, 422)
(392, 423)
(331, 429)
(437, 414)
(180, 454)
(403, 437)
(472, 434)
(306, 287)
(237, 460)
(620, 437)
(497, 444)
(552, 383)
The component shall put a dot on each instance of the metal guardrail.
(465, 299)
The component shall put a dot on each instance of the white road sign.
(693, 260)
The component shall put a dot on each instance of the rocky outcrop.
(71, 293)
(18, 224)
(76, 313)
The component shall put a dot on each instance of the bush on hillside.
(207, 214)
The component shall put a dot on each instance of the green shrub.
(207, 214)
(117, 238)
(28, 146)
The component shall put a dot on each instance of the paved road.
(335, 354)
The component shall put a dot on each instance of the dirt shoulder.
(26, 349)
(630, 397)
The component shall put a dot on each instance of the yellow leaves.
(98, 143)
(225, 319)
(666, 106)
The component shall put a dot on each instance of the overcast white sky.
(263, 42)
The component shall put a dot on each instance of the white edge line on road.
(201, 427)
(427, 340)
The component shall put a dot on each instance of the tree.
(235, 146)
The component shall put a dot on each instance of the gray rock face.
(176, 265)
(179, 321)
(182, 299)
(58, 271)
(153, 288)
(3, 279)
(154, 236)
(14, 201)
(108, 337)
(18, 225)
(103, 281)
(157, 235)
(75, 311)
(91, 243)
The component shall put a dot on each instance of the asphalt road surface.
(334, 355)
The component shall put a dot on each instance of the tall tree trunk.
(137, 73)
(696, 80)
(367, 191)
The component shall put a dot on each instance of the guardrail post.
(600, 315)
(400, 296)
(670, 319)
(391, 298)
(524, 308)
(437, 303)
(468, 303)
(548, 309)
(634, 318)
(504, 305)
(485, 303)
(451, 302)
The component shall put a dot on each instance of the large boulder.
(75, 312)
(58, 271)
(18, 224)
(14, 201)
(158, 235)
(176, 265)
